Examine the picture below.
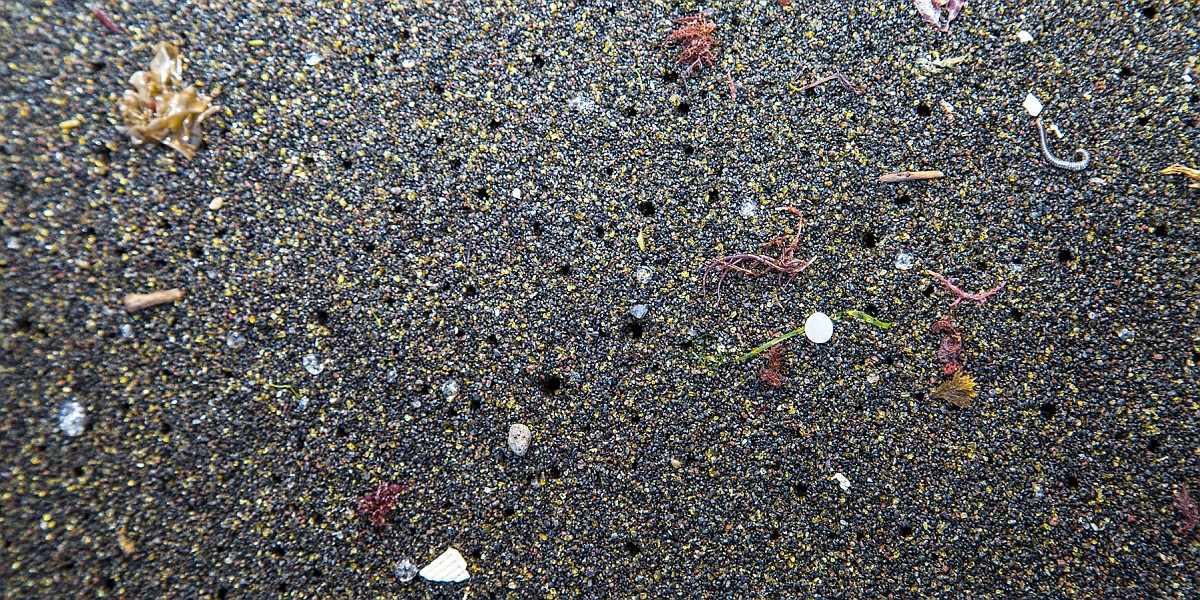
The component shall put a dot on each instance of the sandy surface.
(480, 192)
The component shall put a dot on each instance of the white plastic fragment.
(842, 481)
(450, 566)
(1024, 36)
(818, 327)
(1053, 128)
(1032, 105)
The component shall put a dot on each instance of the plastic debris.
(450, 566)
(818, 327)
(748, 208)
(904, 260)
(519, 438)
(405, 570)
(1032, 105)
(639, 311)
(313, 59)
(931, 11)
(842, 481)
(902, 176)
(312, 364)
(71, 418)
(1024, 36)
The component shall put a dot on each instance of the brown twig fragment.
(105, 20)
(695, 40)
(979, 297)
(732, 88)
(754, 265)
(1188, 508)
(837, 76)
(1190, 173)
(136, 302)
(902, 176)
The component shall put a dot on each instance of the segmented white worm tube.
(1079, 165)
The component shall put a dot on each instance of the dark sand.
(370, 219)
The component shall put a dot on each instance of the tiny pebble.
(1126, 334)
(127, 331)
(1024, 36)
(675, 463)
(904, 260)
(313, 59)
(312, 364)
(450, 388)
(581, 103)
(216, 203)
(643, 274)
(873, 378)
(408, 63)
(71, 418)
(516, 193)
(842, 481)
(639, 311)
(519, 437)
(236, 340)
(748, 208)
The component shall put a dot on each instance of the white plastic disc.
(818, 327)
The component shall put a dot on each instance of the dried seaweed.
(695, 40)
(770, 373)
(959, 390)
(157, 109)
(950, 352)
(1188, 508)
(931, 11)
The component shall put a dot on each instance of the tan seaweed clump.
(157, 109)
(959, 390)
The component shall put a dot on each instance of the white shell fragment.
(519, 437)
(1032, 105)
(842, 481)
(450, 566)
(818, 327)
(1024, 36)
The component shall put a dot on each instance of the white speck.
(1053, 128)
(519, 437)
(405, 570)
(638, 311)
(1097, 181)
(1032, 105)
(127, 331)
(643, 274)
(13, 244)
(313, 59)
(235, 340)
(1187, 74)
(312, 364)
(1016, 267)
(1126, 334)
(1093, 314)
(946, 106)
(748, 209)
(450, 388)
(516, 193)
(415, 403)
(842, 481)
(408, 63)
(1024, 36)
(873, 378)
(818, 327)
(581, 103)
(904, 260)
(71, 418)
